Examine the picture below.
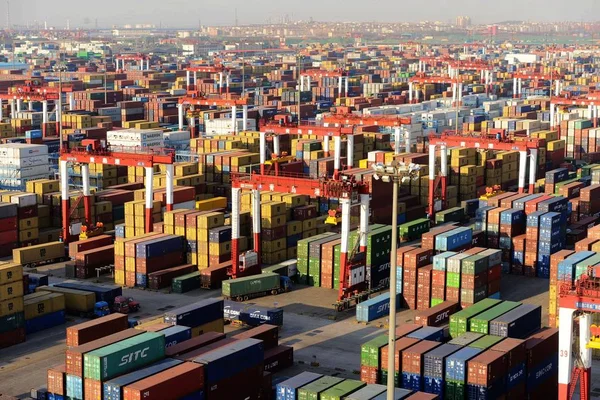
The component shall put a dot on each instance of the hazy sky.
(210, 12)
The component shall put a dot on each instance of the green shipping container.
(452, 279)
(312, 390)
(12, 322)
(413, 229)
(125, 356)
(250, 284)
(370, 352)
(481, 322)
(474, 265)
(186, 283)
(486, 342)
(341, 390)
(435, 302)
(459, 322)
(302, 255)
(455, 214)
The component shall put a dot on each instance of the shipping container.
(374, 308)
(194, 343)
(106, 293)
(113, 389)
(518, 323)
(196, 314)
(269, 334)
(434, 371)
(174, 383)
(313, 390)
(481, 323)
(251, 286)
(231, 359)
(437, 315)
(74, 355)
(459, 322)
(96, 329)
(252, 315)
(288, 389)
(125, 356)
(278, 358)
(435, 334)
(342, 390)
(176, 334)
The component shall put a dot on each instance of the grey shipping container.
(518, 323)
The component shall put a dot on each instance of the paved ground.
(323, 340)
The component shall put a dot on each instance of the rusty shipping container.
(437, 315)
(96, 329)
(174, 383)
(194, 343)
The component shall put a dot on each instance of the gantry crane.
(577, 301)
(210, 69)
(526, 147)
(125, 156)
(207, 101)
(352, 280)
(534, 76)
(18, 96)
(456, 83)
(340, 74)
(139, 57)
(592, 103)
(390, 121)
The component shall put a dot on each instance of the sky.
(188, 13)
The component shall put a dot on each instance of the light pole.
(395, 172)
(60, 69)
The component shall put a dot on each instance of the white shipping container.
(25, 161)
(177, 135)
(24, 200)
(21, 150)
(135, 135)
(26, 172)
(131, 145)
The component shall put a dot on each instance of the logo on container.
(134, 356)
(442, 316)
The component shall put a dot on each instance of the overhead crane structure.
(125, 156)
(592, 102)
(325, 132)
(535, 76)
(211, 69)
(143, 59)
(340, 74)
(577, 301)
(352, 280)
(213, 102)
(528, 147)
(16, 101)
(457, 86)
(395, 122)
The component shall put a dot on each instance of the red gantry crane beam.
(340, 74)
(132, 157)
(456, 83)
(139, 57)
(352, 278)
(528, 146)
(211, 69)
(591, 102)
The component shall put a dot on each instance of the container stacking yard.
(242, 229)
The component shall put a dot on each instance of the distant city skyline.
(188, 13)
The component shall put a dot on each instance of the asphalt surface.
(324, 340)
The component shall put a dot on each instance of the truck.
(249, 287)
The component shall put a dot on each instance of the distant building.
(463, 21)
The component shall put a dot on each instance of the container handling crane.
(97, 152)
(526, 147)
(192, 101)
(577, 302)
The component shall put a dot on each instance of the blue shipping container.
(43, 322)
(512, 216)
(159, 247)
(113, 389)
(518, 323)
(288, 390)
(440, 260)
(566, 268)
(538, 374)
(454, 239)
(550, 220)
(411, 381)
(232, 359)
(74, 387)
(428, 333)
(374, 308)
(176, 334)
(456, 363)
(196, 314)
(199, 395)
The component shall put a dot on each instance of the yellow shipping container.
(211, 204)
(76, 301)
(273, 245)
(38, 305)
(11, 306)
(10, 272)
(11, 290)
(294, 228)
(210, 220)
(272, 209)
(556, 145)
(119, 278)
(28, 223)
(38, 253)
(310, 233)
(309, 224)
(273, 222)
(214, 326)
(217, 249)
(292, 252)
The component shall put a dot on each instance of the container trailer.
(249, 287)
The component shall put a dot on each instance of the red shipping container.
(194, 343)
(401, 345)
(540, 345)
(172, 383)
(129, 279)
(191, 355)
(494, 273)
(437, 315)
(452, 294)
(98, 257)
(369, 374)
(212, 277)
(269, 334)
(89, 244)
(412, 358)
(246, 385)
(486, 368)
(428, 238)
(8, 224)
(92, 330)
(438, 292)
(12, 338)
(278, 358)
(162, 279)
(149, 265)
(400, 254)
(417, 258)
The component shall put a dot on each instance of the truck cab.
(125, 305)
(101, 309)
(285, 284)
